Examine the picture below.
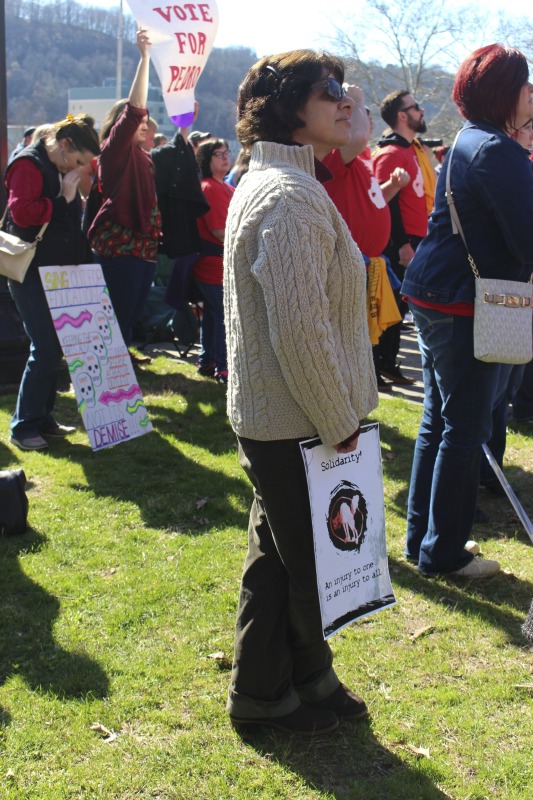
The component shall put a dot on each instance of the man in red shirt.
(409, 217)
(362, 203)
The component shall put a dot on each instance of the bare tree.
(411, 44)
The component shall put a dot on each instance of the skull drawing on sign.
(107, 308)
(103, 327)
(85, 391)
(98, 347)
(94, 371)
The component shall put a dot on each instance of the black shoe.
(383, 385)
(206, 371)
(344, 703)
(306, 720)
(395, 375)
(57, 431)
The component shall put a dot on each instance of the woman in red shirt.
(42, 183)
(125, 232)
(213, 160)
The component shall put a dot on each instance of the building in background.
(97, 100)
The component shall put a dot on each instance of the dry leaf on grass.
(421, 752)
(223, 662)
(421, 632)
(99, 728)
(201, 502)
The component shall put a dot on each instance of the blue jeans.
(38, 387)
(129, 280)
(212, 331)
(460, 393)
(508, 385)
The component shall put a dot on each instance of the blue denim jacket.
(492, 183)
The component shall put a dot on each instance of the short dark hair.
(204, 154)
(275, 89)
(488, 84)
(391, 105)
(79, 131)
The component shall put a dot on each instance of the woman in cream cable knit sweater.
(300, 363)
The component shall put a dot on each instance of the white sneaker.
(478, 568)
(472, 547)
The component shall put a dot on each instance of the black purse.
(13, 503)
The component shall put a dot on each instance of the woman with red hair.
(493, 192)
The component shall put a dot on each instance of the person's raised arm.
(359, 125)
(138, 95)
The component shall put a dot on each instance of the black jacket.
(63, 242)
(179, 196)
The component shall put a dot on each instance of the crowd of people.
(309, 253)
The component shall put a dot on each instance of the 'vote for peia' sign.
(182, 37)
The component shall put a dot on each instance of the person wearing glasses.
(213, 158)
(409, 215)
(300, 364)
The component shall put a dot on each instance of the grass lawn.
(118, 605)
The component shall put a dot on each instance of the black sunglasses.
(416, 107)
(333, 88)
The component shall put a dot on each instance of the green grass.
(118, 607)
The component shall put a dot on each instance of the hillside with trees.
(390, 44)
(56, 46)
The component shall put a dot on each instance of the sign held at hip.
(182, 37)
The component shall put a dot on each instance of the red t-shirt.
(209, 269)
(359, 199)
(411, 199)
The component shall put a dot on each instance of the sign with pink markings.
(109, 398)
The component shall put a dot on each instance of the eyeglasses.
(416, 107)
(332, 87)
(221, 154)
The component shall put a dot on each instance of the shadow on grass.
(154, 473)
(27, 645)
(349, 764)
(482, 599)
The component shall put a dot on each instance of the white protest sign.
(108, 395)
(182, 37)
(348, 513)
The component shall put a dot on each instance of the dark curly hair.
(276, 89)
(204, 154)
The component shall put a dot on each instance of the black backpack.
(13, 502)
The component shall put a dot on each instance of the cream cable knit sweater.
(299, 355)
